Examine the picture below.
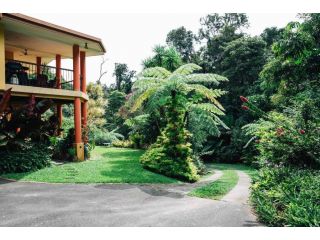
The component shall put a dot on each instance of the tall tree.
(271, 35)
(165, 57)
(217, 31)
(227, 25)
(124, 77)
(182, 40)
(116, 99)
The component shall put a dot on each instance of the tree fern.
(155, 85)
(186, 69)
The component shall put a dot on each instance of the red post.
(38, 66)
(77, 105)
(83, 71)
(84, 107)
(76, 68)
(58, 70)
(77, 120)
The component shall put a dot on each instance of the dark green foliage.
(63, 149)
(171, 155)
(287, 197)
(123, 77)
(101, 137)
(167, 58)
(242, 61)
(143, 130)
(219, 30)
(271, 35)
(115, 100)
(182, 40)
(29, 157)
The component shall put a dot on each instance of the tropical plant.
(165, 57)
(177, 94)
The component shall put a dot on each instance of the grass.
(219, 188)
(241, 167)
(108, 165)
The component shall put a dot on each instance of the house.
(26, 44)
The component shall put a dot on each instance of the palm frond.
(187, 69)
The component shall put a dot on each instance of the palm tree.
(177, 94)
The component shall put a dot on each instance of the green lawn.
(219, 188)
(108, 165)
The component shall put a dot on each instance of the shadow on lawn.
(126, 168)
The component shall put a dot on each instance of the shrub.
(287, 196)
(123, 144)
(156, 159)
(280, 141)
(30, 158)
(102, 137)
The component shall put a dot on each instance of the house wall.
(2, 59)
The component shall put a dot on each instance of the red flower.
(302, 131)
(244, 107)
(244, 99)
(18, 130)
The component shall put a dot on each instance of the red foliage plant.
(244, 99)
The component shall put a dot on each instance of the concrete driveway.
(41, 204)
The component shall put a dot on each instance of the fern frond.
(146, 82)
(187, 69)
(155, 72)
(209, 108)
(205, 78)
(143, 97)
(210, 94)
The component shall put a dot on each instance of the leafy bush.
(157, 160)
(280, 141)
(101, 137)
(63, 148)
(29, 158)
(287, 196)
(123, 144)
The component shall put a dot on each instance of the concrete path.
(41, 204)
(240, 193)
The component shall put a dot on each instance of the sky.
(129, 38)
